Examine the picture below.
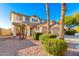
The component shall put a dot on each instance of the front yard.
(14, 47)
(73, 49)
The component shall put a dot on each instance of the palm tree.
(48, 18)
(61, 32)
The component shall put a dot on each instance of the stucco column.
(14, 30)
(28, 31)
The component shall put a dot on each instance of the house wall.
(38, 29)
(43, 28)
(13, 29)
(23, 17)
(16, 18)
(55, 29)
(12, 17)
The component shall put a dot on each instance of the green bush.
(44, 37)
(70, 32)
(55, 47)
(36, 35)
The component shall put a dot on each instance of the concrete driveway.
(73, 45)
(10, 46)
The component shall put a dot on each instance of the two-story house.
(33, 23)
(30, 22)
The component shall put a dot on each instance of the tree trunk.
(48, 18)
(61, 32)
(22, 34)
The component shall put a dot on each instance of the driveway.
(73, 45)
(10, 46)
(71, 37)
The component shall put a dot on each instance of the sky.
(30, 9)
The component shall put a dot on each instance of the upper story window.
(17, 17)
(27, 19)
(34, 20)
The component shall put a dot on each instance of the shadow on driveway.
(10, 47)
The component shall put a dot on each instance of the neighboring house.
(33, 23)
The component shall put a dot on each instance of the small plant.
(44, 37)
(55, 47)
(36, 35)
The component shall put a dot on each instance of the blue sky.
(34, 9)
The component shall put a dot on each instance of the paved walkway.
(10, 46)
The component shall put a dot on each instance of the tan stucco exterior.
(37, 26)
(15, 19)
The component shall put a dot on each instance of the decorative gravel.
(33, 50)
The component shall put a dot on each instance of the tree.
(61, 32)
(48, 18)
(77, 29)
(76, 17)
(21, 31)
(70, 22)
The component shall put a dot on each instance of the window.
(27, 19)
(34, 20)
(18, 17)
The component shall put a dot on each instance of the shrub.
(55, 47)
(44, 37)
(70, 32)
(36, 35)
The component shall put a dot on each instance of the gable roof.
(19, 13)
(25, 15)
(37, 17)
